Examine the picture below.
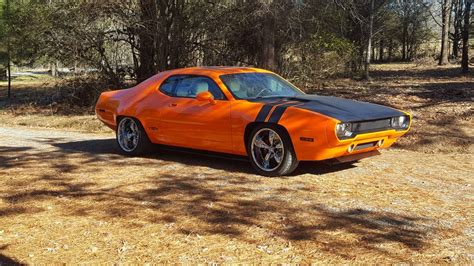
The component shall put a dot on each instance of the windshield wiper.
(271, 96)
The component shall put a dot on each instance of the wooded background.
(300, 39)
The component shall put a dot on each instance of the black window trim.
(190, 75)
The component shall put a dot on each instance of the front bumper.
(352, 157)
(362, 143)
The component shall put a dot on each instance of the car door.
(188, 122)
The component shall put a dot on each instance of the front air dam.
(352, 157)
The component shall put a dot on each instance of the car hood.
(344, 110)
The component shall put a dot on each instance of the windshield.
(259, 85)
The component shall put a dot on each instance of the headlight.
(400, 122)
(343, 130)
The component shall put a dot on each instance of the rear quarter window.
(167, 87)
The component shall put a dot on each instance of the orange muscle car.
(247, 111)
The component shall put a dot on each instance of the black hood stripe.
(274, 111)
(265, 110)
(279, 111)
(277, 114)
(262, 115)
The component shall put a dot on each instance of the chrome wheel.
(128, 134)
(267, 149)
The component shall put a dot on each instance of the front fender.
(307, 131)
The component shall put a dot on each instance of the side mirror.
(205, 96)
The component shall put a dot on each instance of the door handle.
(173, 105)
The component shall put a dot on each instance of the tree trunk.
(404, 39)
(390, 50)
(456, 42)
(176, 35)
(381, 50)
(457, 27)
(134, 56)
(409, 51)
(164, 35)
(446, 14)
(9, 70)
(268, 53)
(369, 40)
(406, 22)
(146, 42)
(9, 59)
(54, 69)
(465, 38)
(373, 54)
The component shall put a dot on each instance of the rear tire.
(131, 138)
(270, 151)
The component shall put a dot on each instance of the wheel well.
(251, 126)
(119, 117)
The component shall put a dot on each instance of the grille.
(365, 145)
(369, 126)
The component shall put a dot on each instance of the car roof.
(216, 70)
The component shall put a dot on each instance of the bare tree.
(465, 37)
(445, 23)
(9, 59)
(268, 53)
(146, 36)
(268, 36)
(369, 39)
(364, 12)
(457, 18)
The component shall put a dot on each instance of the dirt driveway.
(69, 197)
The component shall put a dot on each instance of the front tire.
(270, 151)
(131, 137)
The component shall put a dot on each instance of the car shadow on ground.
(4, 260)
(191, 157)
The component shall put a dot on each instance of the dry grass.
(36, 104)
(84, 123)
(66, 197)
(69, 197)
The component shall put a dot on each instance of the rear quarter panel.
(106, 108)
(125, 102)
